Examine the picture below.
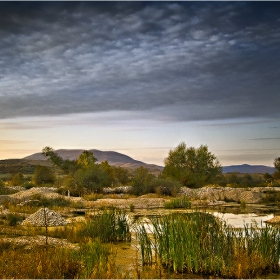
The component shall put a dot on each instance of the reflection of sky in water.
(239, 220)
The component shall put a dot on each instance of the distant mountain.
(246, 168)
(113, 158)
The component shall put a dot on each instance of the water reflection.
(239, 220)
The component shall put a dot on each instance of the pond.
(129, 256)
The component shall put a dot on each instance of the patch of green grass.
(178, 203)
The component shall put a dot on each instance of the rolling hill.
(246, 168)
(113, 158)
(27, 164)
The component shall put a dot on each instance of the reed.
(110, 225)
(178, 203)
(199, 243)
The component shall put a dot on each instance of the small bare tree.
(46, 223)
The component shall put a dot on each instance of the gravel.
(43, 217)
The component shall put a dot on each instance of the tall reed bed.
(106, 225)
(110, 225)
(199, 243)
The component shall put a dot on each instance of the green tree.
(67, 166)
(86, 180)
(141, 181)
(277, 163)
(108, 169)
(121, 176)
(43, 175)
(191, 167)
(17, 179)
(2, 184)
(268, 177)
(86, 158)
(276, 174)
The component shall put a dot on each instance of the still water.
(128, 256)
(239, 220)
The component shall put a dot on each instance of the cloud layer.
(179, 61)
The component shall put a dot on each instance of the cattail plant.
(200, 243)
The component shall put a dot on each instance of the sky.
(141, 77)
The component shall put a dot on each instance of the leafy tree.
(43, 175)
(268, 177)
(17, 179)
(121, 176)
(86, 180)
(2, 184)
(192, 167)
(276, 174)
(141, 180)
(108, 169)
(164, 186)
(277, 163)
(86, 158)
(67, 166)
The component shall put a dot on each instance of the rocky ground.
(30, 241)
(207, 195)
(211, 195)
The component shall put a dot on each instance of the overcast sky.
(140, 77)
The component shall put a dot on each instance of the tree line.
(184, 166)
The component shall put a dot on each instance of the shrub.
(165, 186)
(14, 219)
(6, 190)
(28, 185)
(51, 202)
(17, 179)
(131, 207)
(141, 181)
(2, 184)
(43, 175)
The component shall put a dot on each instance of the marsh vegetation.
(177, 243)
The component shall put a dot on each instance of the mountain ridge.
(247, 168)
(113, 158)
(119, 159)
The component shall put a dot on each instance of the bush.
(28, 185)
(141, 181)
(14, 219)
(17, 179)
(43, 175)
(165, 186)
(50, 202)
(6, 190)
(131, 207)
(2, 184)
(87, 180)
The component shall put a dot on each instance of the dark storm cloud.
(179, 61)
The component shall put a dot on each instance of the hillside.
(27, 164)
(246, 168)
(113, 158)
(10, 166)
